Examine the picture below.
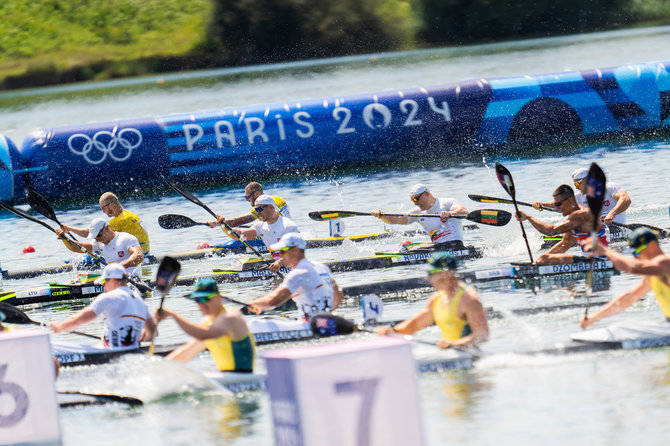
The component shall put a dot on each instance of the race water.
(507, 398)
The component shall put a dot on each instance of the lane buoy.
(28, 249)
(203, 245)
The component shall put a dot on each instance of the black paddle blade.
(175, 221)
(595, 191)
(13, 315)
(41, 205)
(505, 179)
(167, 273)
(186, 194)
(326, 324)
(22, 214)
(492, 217)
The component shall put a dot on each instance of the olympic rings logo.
(96, 149)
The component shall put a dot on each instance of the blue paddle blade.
(505, 179)
(595, 190)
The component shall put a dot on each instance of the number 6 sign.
(359, 393)
(28, 405)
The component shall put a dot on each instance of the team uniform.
(231, 355)
(282, 208)
(439, 231)
(582, 238)
(271, 233)
(311, 293)
(446, 316)
(609, 202)
(128, 222)
(117, 250)
(662, 293)
(125, 314)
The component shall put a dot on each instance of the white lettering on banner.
(253, 133)
(368, 115)
(192, 139)
(413, 110)
(106, 143)
(280, 125)
(444, 111)
(19, 397)
(255, 126)
(307, 125)
(229, 135)
(344, 120)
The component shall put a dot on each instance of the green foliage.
(245, 31)
(93, 29)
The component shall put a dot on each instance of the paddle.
(505, 178)
(99, 398)
(174, 221)
(326, 324)
(42, 206)
(166, 276)
(16, 316)
(632, 226)
(485, 199)
(492, 217)
(226, 228)
(595, 194)
(142, 287)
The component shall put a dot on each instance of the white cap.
(265, 200)
(418, 189)
(580, 174)
(97, 225)
(112, 271)
(289, 240)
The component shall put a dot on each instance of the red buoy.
(28, 249)
(203, 245)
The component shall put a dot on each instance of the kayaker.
(648, 260)
(444, 232)
(270, 227)
(310, 284)
(127, 318)
(223, 332)
(122, 220)
(454, 307)
(119, 247)
(252, 192)
(577, 227)
(615, 202)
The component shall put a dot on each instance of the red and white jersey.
(125, 314)
(439, 231)
(608, 202)
(118, 249)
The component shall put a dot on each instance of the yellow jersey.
(131, 223)
(446, 316)
(231, 355)
(662, 293)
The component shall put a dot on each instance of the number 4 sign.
(359, 393)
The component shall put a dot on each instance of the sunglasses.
(259, 209)
(639, 249)
(248, 197)
(416, 198)
(285, 248)
(559, 203)
(578, 183)
(202, 299)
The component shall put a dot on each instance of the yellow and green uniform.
(281, 205)
(131, 223)
(662, 293)
(231, 355)
(446, 316)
